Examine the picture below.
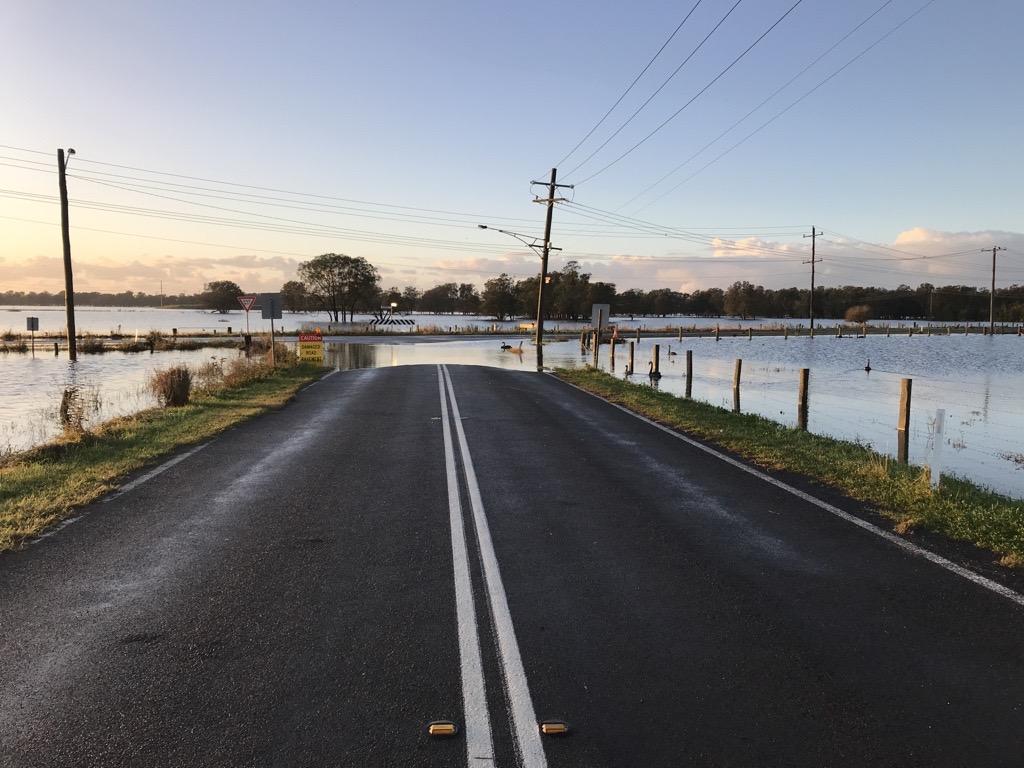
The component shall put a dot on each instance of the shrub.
(128, 345)
(172, 386)
(91, 346)
(858, 313)
(9, 335)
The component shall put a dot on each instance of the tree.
(294, 297)
(410, 298)
(469, 299)
(221, 295)
(499, 297)
(441, 299)
(392, 296)
(340, 283)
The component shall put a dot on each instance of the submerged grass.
(41, 486)
(957, 509)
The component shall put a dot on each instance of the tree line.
(344, 285)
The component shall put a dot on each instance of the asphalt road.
(393, 548)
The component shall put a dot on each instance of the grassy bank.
(41, 486)
(958, 509)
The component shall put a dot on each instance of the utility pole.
(550, 201)
(992, 296)
(69, 280)
(814, 237)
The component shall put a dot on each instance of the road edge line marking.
(892, 538)
(524, 718)
(154, 472)
(479, 742)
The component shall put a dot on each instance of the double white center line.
(479, 743)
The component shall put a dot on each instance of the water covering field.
(978, 380)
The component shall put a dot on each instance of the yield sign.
(247, 302)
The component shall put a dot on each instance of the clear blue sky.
(457, 105)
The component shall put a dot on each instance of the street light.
(536, 244)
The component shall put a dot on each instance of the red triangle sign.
(247, 302)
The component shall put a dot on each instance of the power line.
(658, 90)
(779, 114)
(630, 87)
(675, 114)
(770, 96)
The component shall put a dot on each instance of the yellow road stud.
(442, 728)
(554, 728)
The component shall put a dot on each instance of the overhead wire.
(768, 98)
(629, 88)
(697, 95)
(657, 90)
(786, 109)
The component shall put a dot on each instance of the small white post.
(935, 454)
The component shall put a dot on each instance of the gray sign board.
(599, 314)
(32, 324)
(270, 305)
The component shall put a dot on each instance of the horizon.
(219, 162)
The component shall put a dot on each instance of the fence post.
(611, 351)
(801, 401)
(785, 331)
(750, 334)
(736, 385)
(638, 334)
(689, 373)
(903, 423)
(680, 334)
(717, 331)
(657, 358)
(583, 342)
(632, 350)
(597, 346)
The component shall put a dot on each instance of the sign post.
(32, 324)
(247, 301)
(270, 305)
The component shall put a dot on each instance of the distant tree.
(391, 296)
(469, 299)
(294, 297)
(602, 293)
(221, 295)
(410, 298)
(341, 283)
(441, 299)
(499, 297)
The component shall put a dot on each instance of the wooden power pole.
(814, 260)
(992, 295)
(69, 280)
(545, 250)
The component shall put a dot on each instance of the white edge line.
(892, 538)
(154, 472)
(524, 719)
(479, 744)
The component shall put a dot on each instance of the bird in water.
(671, 353)
(505, 346)
(868, 366)
(651, 373)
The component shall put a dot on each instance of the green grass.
(42, 486)
(958, 509)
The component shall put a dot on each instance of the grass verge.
(41, 486)
(957, 509)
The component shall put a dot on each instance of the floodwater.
(128, 321)
(976, 379)
(108, 385)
